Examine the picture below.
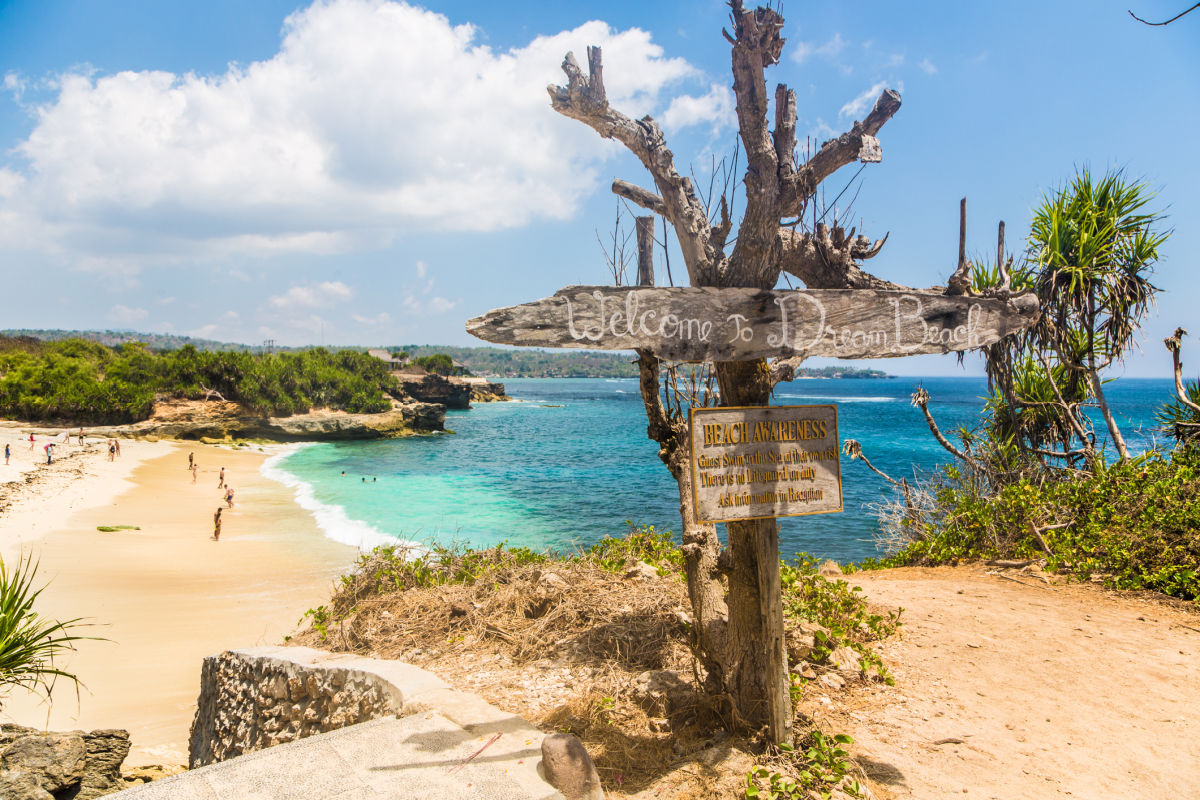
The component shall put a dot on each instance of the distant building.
(384, 355)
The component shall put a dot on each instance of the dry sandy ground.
(166, 595)
(1028, 690)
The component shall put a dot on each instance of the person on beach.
(217, 525)
(81, 436)
(7, 453)
(221, 479)
(193, 468)
(117, 442)
(191, 460)
(229, 496)
(49, 452)
(31, 443)
(112, 449)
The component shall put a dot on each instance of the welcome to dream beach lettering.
(697, 324)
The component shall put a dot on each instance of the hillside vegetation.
(81, 382)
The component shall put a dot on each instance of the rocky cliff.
(218, 420)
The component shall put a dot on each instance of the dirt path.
(1027, 690)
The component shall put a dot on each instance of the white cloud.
(421, 269)
(716, 107)
(126, 315)
(927, 66)
(374, 117)
(323, 294)
(802, 51)
(895, 59)
(377, 321)
(864, 102)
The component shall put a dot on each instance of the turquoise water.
(570, 463)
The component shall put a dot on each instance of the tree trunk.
(756, 667)
(1106, 412)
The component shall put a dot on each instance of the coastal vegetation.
(615, 614)
(76, 381)
(1033, 482)
(30, 644)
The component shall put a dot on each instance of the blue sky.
(367, 172)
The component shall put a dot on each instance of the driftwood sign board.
(764, 461)
(700, 324)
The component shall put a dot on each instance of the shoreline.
(167, 595)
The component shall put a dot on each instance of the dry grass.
(574, 645)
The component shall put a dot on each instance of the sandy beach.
(163, 596)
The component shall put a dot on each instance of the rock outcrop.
(36, 765)
(488, 393)
(220, 420)
(448, 392)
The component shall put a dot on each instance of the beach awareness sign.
(758, 462)
(701, 324)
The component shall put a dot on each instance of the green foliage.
(1178, 420)
(30, 643)
(639, 544)
(839, 608)
(819, 766)
(78, 381)
(113, 528)
(438, 363)
(1136, 524)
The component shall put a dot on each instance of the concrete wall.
(254, 698)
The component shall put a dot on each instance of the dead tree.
(738, 640)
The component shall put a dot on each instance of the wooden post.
(645, 246)
(645, 249)
(770, 595)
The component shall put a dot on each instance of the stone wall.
(255, 698)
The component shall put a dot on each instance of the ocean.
(568, 462)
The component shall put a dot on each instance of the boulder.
(569, 768)
(449, 392)
(845, 659)
(17, 785)
(55, 760)
(106, 751)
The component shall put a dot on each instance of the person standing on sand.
(217, 525)
(31, 441)
(112, 449)
(7, 453)
(117, 442)
(191, 460)
(221, 479)
(49, 452)
(229, 496)
(193, 468)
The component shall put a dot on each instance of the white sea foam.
(332, 520)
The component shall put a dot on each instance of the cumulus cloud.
(716, 108)
(863, 103)
(126, 315)
(802, 51)
(927, 66)
(318, 295)
(373, 118)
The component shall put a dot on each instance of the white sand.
(165, 595)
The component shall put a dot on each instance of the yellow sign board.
(757, 462)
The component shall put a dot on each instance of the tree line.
(82, 382)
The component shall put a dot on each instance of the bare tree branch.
(636, 194)
(920, 399)
(1167, 22)
(1175, 345)
(584, 99)
(852, 448)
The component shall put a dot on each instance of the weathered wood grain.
(699, 324)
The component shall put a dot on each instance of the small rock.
(569, 768)
(829, 568)
(642, 571)
(832, 680)
(845, 659)
(552, 582)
